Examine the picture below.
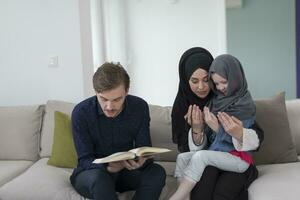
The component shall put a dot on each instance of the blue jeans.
(100, 184)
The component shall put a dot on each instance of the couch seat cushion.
(168, 166)
(40, 181)
(276, 182)
(52, 183)
(9, 169)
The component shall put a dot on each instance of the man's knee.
(156, 174)
(89, 181)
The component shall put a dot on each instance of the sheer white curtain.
(108, 31)
(148, 37)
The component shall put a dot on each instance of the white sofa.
(26, 136)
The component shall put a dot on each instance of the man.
(110, 122)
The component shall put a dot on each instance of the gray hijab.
(238, 101)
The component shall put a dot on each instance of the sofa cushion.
(161, 133)
(52, 183)
(168, 166)
(278, 146)
(9, 169)
(19, 132)
(276, 182)
(293, 111)
(48, 124)
(46, 182)
(63, 148)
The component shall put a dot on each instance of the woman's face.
(199, 83)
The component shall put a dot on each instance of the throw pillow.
(19, 132)
(278, 146)
(63, 148)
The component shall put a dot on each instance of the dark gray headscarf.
(238, 101)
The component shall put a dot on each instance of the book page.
(147, 151)
(115, 157)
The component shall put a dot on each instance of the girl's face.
(220, 82)
(199, 83)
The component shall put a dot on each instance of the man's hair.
(109, 76)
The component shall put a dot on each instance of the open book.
(131, 154)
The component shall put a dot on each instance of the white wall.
(30, 32)
(158, 32)
(152, 35)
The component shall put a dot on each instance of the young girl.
(227, 80)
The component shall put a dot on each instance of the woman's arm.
(196, 142)
(194, 118)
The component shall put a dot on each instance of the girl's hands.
(231, 125)
(196, 118)
(211, 120)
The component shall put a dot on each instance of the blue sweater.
(97, 136)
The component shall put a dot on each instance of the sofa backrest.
(20, 132)
(293, 111)
(20, 129)
(160, 128)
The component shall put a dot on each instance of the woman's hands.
(196, 118)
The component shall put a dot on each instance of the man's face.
(111, 101)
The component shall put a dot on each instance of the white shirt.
(250, 141)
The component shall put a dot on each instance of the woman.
(194, 90)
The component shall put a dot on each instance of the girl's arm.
(249, 141)
(243, 139)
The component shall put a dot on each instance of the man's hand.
(134, 164)
(211, 120)
(231, 125)
(114, 167)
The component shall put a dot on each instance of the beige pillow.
(161, 133)
(19, 132)
(293, 111)
(278, 146)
